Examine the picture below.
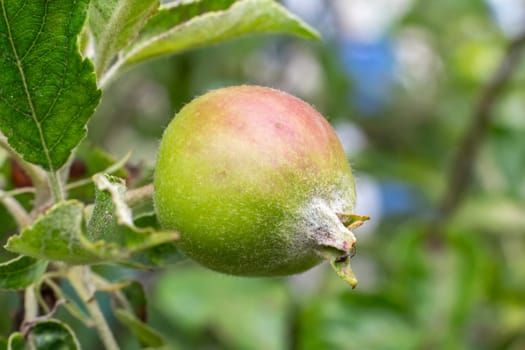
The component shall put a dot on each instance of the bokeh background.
(402, 81)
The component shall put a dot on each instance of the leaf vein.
(37, 36)
(24, 82)
(59, 94)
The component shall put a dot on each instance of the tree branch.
(461, 170)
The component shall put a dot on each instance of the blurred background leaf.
(236, 313)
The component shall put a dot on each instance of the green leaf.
(469, 275)
(110, 212)
(93, 160)
(16, 342)
(21, 272)
(146, 335)
(114, 23)
(196, 300)
(98, 161)
(62, 233)
(496, 214)
(364, 322)
(112, 219)
(58, 235)
(53, 334)
(172, 31)
(162, 255)
(177, 13)
(47, 90)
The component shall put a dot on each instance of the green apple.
(257, 183)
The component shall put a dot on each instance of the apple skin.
(253, 179)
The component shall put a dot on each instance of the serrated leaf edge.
(67, 328)
(29, 267)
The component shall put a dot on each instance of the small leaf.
(21, 272)
(93, 160)
(16, 341)
(114, 23)
(146, 335)
(58, 235)
(98, 161)
(47, 90)
(159, 256)
(177, 13)
(53, 334)
(167, 34)
(110, 211)
(112, 220)
(110, 235)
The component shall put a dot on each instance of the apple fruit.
(257, 184)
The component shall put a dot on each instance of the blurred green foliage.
(461, 289)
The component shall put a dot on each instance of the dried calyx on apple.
(257, 183)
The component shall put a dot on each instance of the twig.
(138, 196)
(81, 280)
(461, 169)
(16, 210)
(30, 304)
(71, 306)
(57, 186)
(109, 170)
(27, 327)
(37, 175)
(30, 311)
(16, 192)
(115, 289)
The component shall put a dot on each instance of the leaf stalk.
(81, 280)
(57, 189)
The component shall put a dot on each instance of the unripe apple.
(257, 183)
